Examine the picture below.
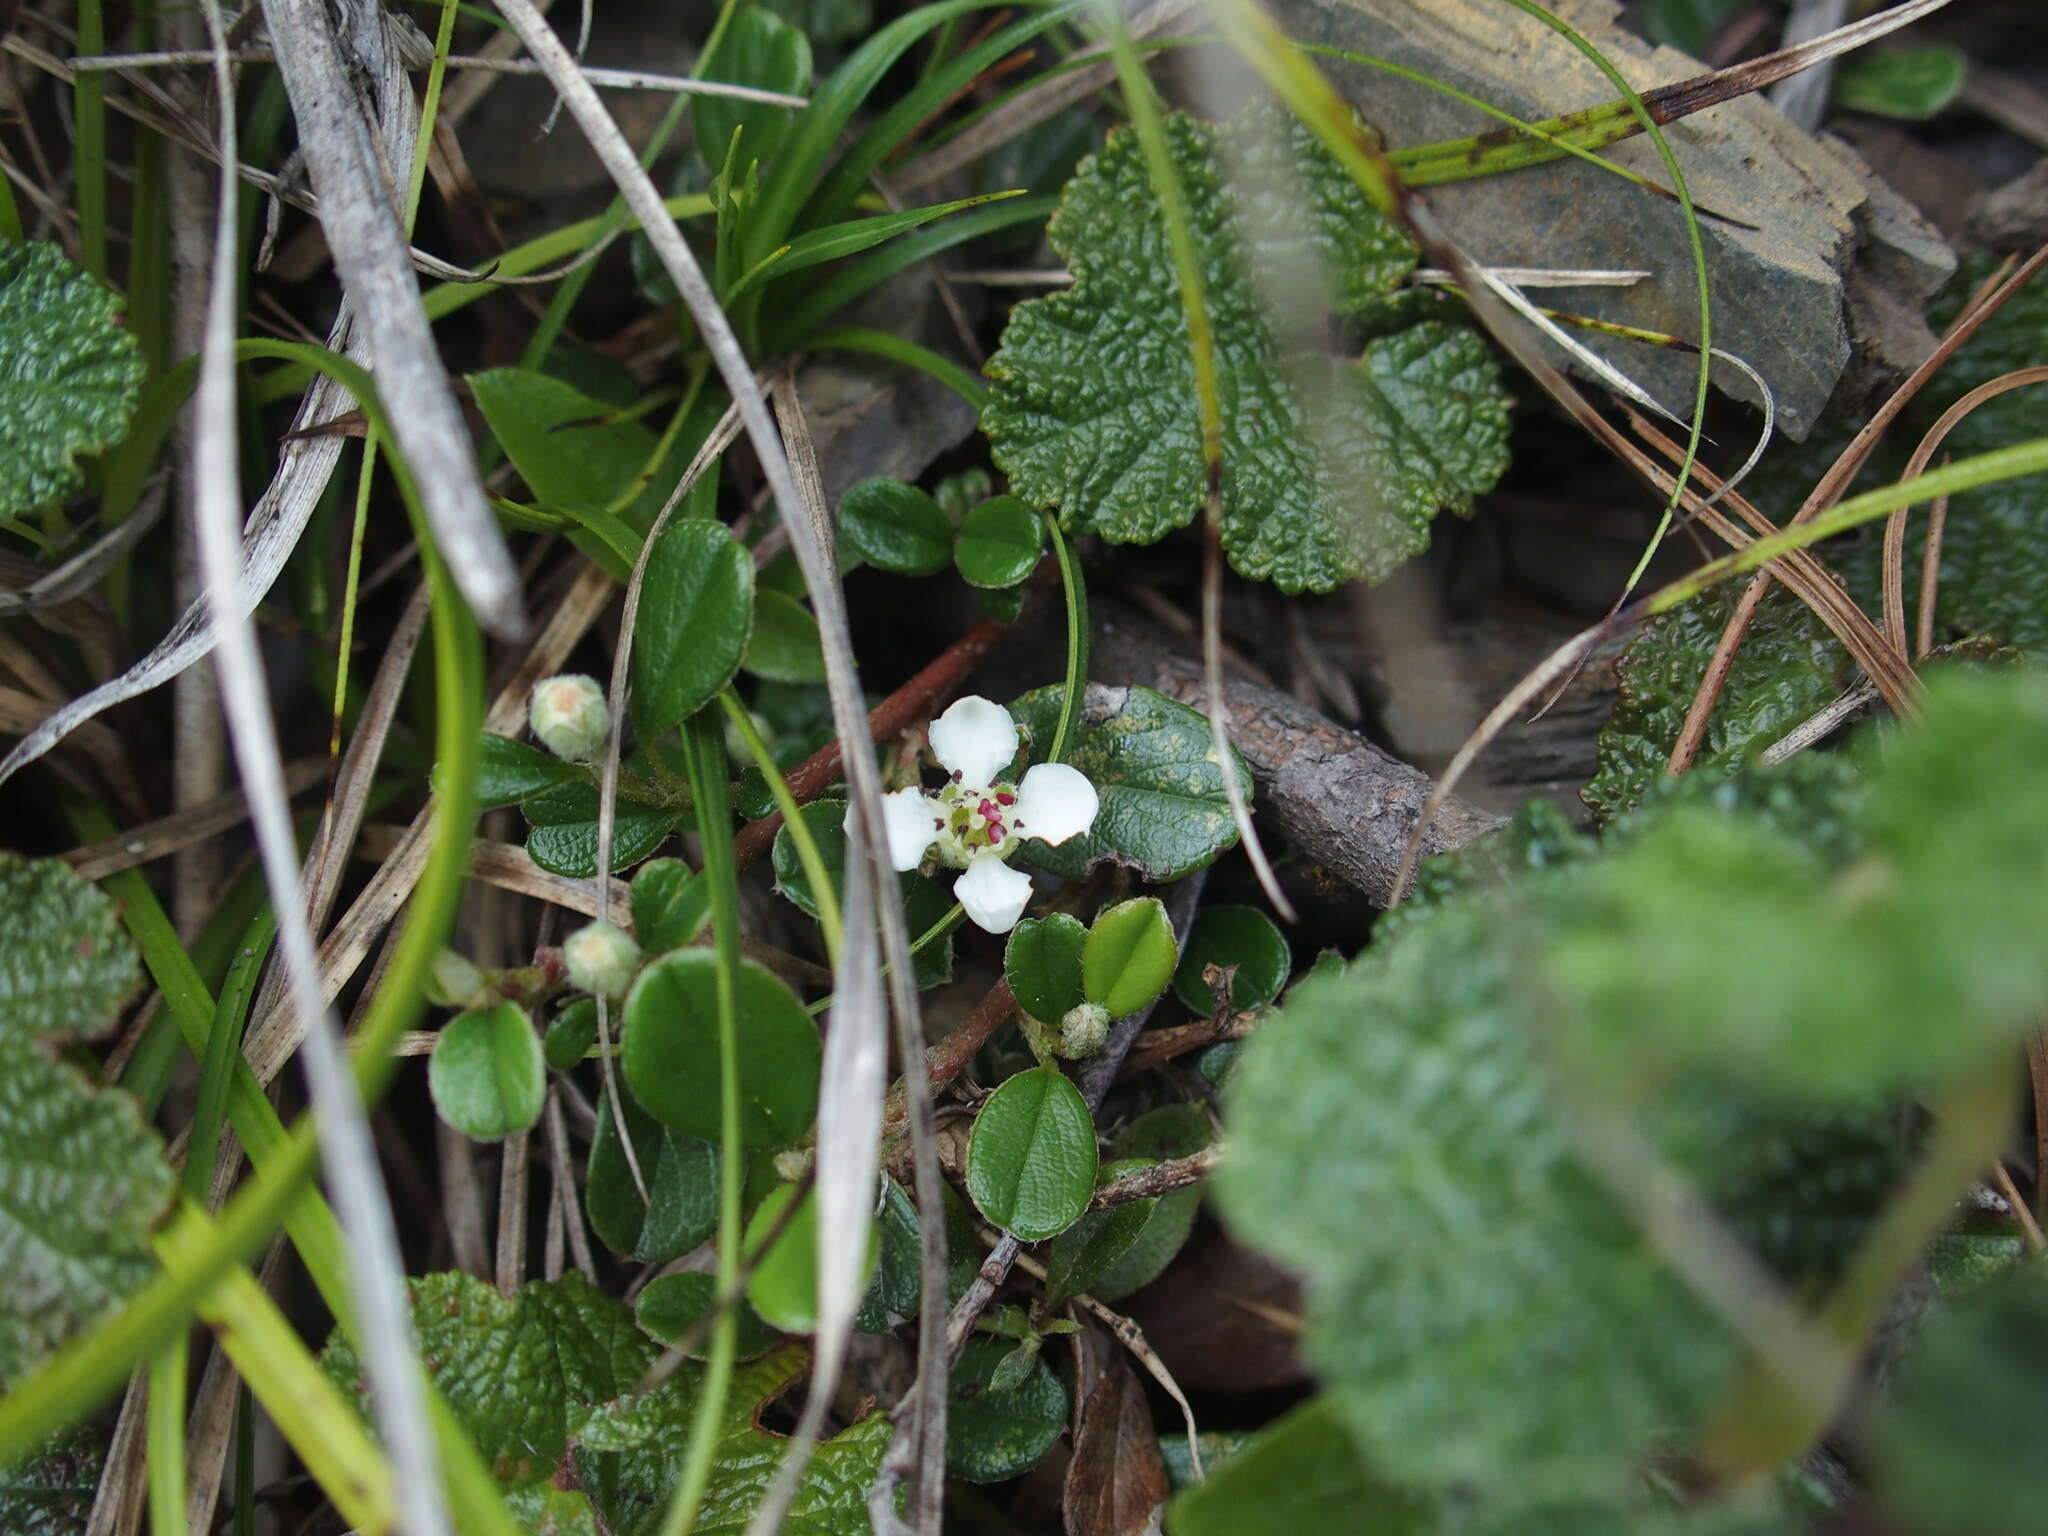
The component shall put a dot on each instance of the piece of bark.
(1117, 1478)
(1778, 288)
(1335, 796)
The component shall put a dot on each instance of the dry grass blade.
(1895, 525)
(377, 1269)
(371, 254)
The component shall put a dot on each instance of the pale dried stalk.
(377, 1271)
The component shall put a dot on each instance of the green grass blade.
(898, 349)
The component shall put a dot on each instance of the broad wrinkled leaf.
(1333, 465)
(999, 544)
(82, 1177)
(696, 613)
(487, 1074)
(670, 1050)
(536, 1380)
(1485, 1316)
(670, 905)
(895, 527)
(573, 452)
(1164, 812)
(784, 1284)
(759, 49)
(1300, 1474)
(1129, 956)
(70, 373)
(681, 1209)
(1031, 1157)
(51, 1492)
(511, 771)
(993, 1435)
(784, 646)
(1243, 937)
(1042, 963)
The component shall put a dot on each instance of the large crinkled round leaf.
(670, 1050)
(65, 964)
(70, 373)
(1333, 465)
(995, 1434)
(1031, 1157)
(487, 1074)
(1163, 809)
(696, 614)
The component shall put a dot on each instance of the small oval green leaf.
(1129, 956)
(681, 1208)
(1031, 1156)
(574, 452)
(992, 1435)
(1241, 936)
(571, 1034)
(895, 526)
(487, 1074)
(1081, 1254)
(509, 771)
(999, 543)
(696, 613)
(784, 1285)
(565, 844)
(1042, 963)
(670, 1051)
(670, 905)
(784, 646)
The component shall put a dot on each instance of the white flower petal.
(975, 738)
(1056, 802)
(994, 894)
(907, 815)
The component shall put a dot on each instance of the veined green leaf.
(1031, 1156)
(993, 1433)
(693, 625)
(1129, 956)
(487, 1075)
(571, 450)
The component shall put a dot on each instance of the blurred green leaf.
(1300, 1474)
(574, 453)
(784, 644)
(1912, 83)
(1000, 543)
(759, 49)
(487, 1074)
(675, 1305)
(784, 1284)
(671, 905)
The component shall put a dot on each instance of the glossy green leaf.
(923, 901)
(784, 1284)
(1031, 1156)
(1163, 812)
(1042, 963)
(1129, 956)
(511, 771)
(82, 1176)
(759, 49)
(1300, 1474)
(993, 1435)
(681, 1209)
(1176, 1130)
(1080, 1255)
(1912, 83)
(670, 1050)
(563, 835)
(676, 1306)
(487, 1074)
(573, 452)
(895, 527)
(784, 644)
(671, 905)
(1243, 937)
(896, 1284)
(1333, 466)
(571, 1035)
(1000, 543)
(70, 373)
(696, 614)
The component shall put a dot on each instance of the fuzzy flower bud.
(1083, 1030)
(570, 717)
(454, 981)
(601, 959)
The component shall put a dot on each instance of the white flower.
(978, 818)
